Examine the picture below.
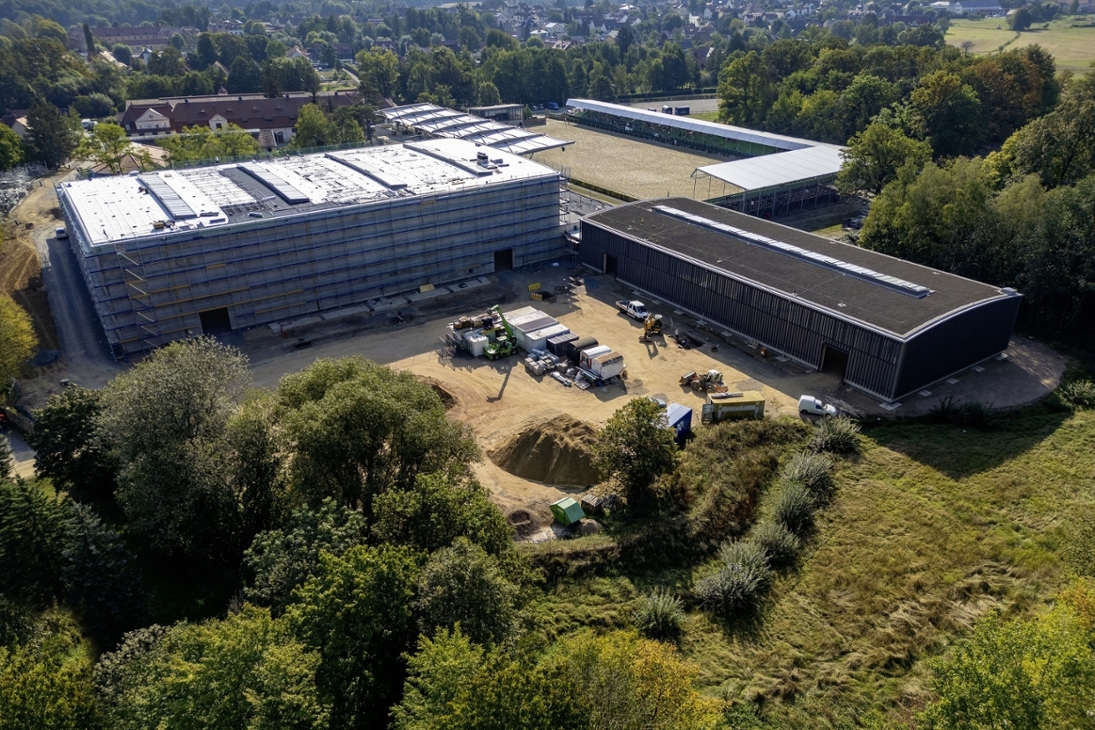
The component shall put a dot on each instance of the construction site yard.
(535, 432)
(624, 164)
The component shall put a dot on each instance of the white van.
(815, 406)
(60, 232)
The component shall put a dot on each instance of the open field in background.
(932, 527)
(1072, 47)
(624, 164)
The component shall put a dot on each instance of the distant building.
(136, 37)
(500, 112)
(271, 121)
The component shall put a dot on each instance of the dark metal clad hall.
(887, 326)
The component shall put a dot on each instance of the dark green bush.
(659, 615)
(779, 544)
(837, 435)
(1079, 394)
(795, 508)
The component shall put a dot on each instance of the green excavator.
(504, 344)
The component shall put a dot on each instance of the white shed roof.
(781, 168)
(442, 122)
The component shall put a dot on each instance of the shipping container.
(730, 406)
(538, 340)
(575, 347)
(558, 345)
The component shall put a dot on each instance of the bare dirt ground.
(625, 164)
(499, 399)
(20, 270)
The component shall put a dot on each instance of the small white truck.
(815, 406)
(634, 309)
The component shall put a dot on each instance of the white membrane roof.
(441, 122)
(795, 160)
(781, 168)
(112, 209)
(726, 131)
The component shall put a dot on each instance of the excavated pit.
(555, 451)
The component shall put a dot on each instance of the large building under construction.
(171, 254)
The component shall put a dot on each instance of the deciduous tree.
(357, 429)
(202, 143)
(357, 614)
(874, 156)
(66, 450)
(107, 144)
(463, 585)
(636, 447)
(166, 421)
(17, 339)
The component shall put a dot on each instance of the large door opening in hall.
(215, 321)
(610, 264)
(503, 260)
(834, 361)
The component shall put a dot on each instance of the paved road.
(81, 337)
(24, 455)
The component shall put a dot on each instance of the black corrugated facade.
(879, 362)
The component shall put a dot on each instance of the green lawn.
(932, 527)
(706, 116)
(1073, 47)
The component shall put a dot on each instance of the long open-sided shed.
(768, 174)
(887, 326)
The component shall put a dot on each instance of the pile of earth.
(555, 451)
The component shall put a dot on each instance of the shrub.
(779, 544)
(1079, 394)
(734, 588)
(795, 508)
(659, 615)
(813, 471)
(838, 435)
(743, 553)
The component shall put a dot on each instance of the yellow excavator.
(652, 325)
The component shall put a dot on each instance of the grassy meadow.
(1070, 39)
(932, 526)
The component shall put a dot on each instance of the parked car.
(815, 406)
(60, 232)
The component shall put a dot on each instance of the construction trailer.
(732, 406)
(170, 254)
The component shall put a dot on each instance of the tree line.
(337, 518)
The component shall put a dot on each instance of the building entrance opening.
(215, 321)
(503, 260)
(833, 361)
(610, 264)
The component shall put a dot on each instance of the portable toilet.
(680, 420)
(567, 511)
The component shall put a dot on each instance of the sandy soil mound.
(555, 451)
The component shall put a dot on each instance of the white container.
(476, 343)
(538, 340)
(587, 355)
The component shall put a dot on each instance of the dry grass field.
(624, 164)
(1072, 44)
